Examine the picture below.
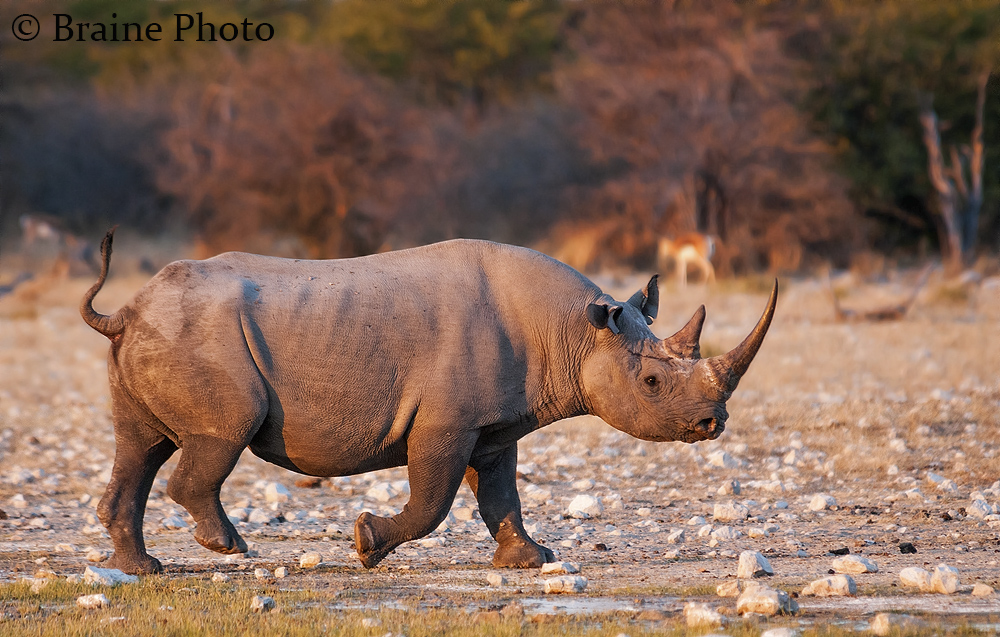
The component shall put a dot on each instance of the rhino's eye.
(651, 381)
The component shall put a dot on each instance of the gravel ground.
(896, 422)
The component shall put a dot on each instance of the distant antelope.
(692, 248)
(76, 255)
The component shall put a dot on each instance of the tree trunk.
(974, 201)
(947, 197)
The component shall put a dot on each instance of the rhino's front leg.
(436, 465)
(494, 481)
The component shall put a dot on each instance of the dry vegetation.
(862, 412)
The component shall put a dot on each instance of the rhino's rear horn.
(730, 367)
(686, 343)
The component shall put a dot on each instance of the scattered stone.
(496, 580)
(841, 551)
(220, 577)
(722, 460)
(261, 573)
(560, 568)
(382, 491)
(91, 602)
(310, 560)
(676, 536)
(97, 555)
(262, 604)
(729, 487)
(834, 586)
(281, 572)
(18, 501)
(979, 509)
(174, 522)
(730, 588)
(276, 492)
(432, 542)
(566, 584)
(757, 532)
(982, 590)
(107, 577)
(730, 512)
(38, 583)
(600, 546)
(822, 501)
(892, 623)
(696, 521)
(916, 577)
(259, 516)
(753, 564)
(672, 554)
(765, 600)
(697, 614)
(585, 506)
(907, 548)
(726, 533)
(65, 547)
(854, 565)
(944, 579)
(784, 631)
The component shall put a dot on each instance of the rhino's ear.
(602, 315)
(647, 300)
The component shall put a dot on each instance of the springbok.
(692, 248)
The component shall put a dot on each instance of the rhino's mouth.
(706, 429)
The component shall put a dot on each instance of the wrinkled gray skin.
(439, 358)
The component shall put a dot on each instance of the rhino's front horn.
(730, 367)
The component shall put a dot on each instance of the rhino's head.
(662, 389)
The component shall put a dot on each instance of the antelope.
(76, 255)
(692, 248)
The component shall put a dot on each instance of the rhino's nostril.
(707, 425)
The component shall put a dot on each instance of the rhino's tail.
(111, 326)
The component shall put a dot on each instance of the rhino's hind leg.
(436, 468)
(140, 451)
(494, 481)
(205, 464)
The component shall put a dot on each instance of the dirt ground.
(897, 421)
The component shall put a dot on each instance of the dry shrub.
(287, 142)
(698, 100)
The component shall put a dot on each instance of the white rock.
(672, 554)
(982, 590)
(260, 516)
(38, 583)
(565, 568)
(917, 578)
(92, 601)
(261, 573)
(944, 579)
(496, 580)
(894, 623)
(18, 502)
(382, 491)
(97, 555)
(753, 564)
(465, 514)
(220, 577)
(948, 486)
(765, 600)
(731, 588)
(566, 584)
(65, 547)
(583, 485)
(833, 586)
(569, 462)
(371, 622)
(705, 530)
(730, 512)
(310, 560)
(276, 492)
(729, 487)
(722, 460)
(262, 604)
(784, 631)
(107, 577)
(585, 506)
(726, 534)
(676, 536)
(696, 521)
(281, 572)
(854, 565)
(239, 514)
(174, 522)
(697, 614)
(432, 542)
(757, 532)
(822, 501)
(979, 509)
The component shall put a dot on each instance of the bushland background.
(803, 133)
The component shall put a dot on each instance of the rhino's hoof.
(141, 565)
(364, 541)
(223, 543)
(522, 554)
